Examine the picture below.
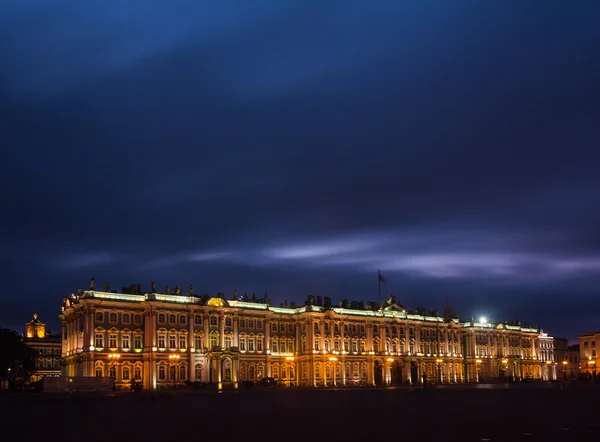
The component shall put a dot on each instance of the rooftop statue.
(92, 283)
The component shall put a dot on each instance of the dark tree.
(15, 354)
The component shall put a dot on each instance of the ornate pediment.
(392, 306)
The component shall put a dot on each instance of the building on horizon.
(588, 351)
(163, 339)
(567, 359)
(47, 346)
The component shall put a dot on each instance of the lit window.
(242, 343)
(317, 344)
(182, 341)
(125, 342)
(259, 344)
(282, 346)
(99, 342)
(137, 342)
(112, 341)
(172, 341)
(214, 340)
(274, 346)
(162, 339)
(228, 341)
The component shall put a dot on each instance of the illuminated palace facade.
(163, 339)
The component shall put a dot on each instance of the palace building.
(47, 346)
(162, 339)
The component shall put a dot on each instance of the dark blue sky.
(296, 147)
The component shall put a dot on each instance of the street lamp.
(333, 359)
(439, 369)
(478, 362)
(114, 357)
(565, 369)
(174, 361)
(290, 359)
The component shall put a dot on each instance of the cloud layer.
(297, 147)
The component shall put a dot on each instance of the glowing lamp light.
(154, 349)
(565, 362)
(333, 358)
(92, 348)
(390, 359)
(483, 320)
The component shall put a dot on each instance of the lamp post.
(565, 369)
(593, 365)
(174, 361)
(290, 359)
(478, 367)
(439, 369)
(333, 360)
(114, 357)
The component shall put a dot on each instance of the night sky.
(295, 147)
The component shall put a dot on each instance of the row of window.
(48, 363)
(113, 317)
(119, 372)
(113, 341)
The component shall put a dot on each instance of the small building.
(588, 345)
(567, 358)
(47, 346)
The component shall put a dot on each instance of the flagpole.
(379, 286)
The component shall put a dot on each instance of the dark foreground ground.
(523, 414)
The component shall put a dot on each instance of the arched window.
(182, 319)
(228, 341)
(125, 373)
(198, 369)
(214, 340)
(172, 319)
(228, 321)
(112, 371)
(161, 373)
(137, 373)
(99, 371)
(162, 318)
(197, 320)
(113, 317)
(213, 321)
(182, 372)
(251, 372)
